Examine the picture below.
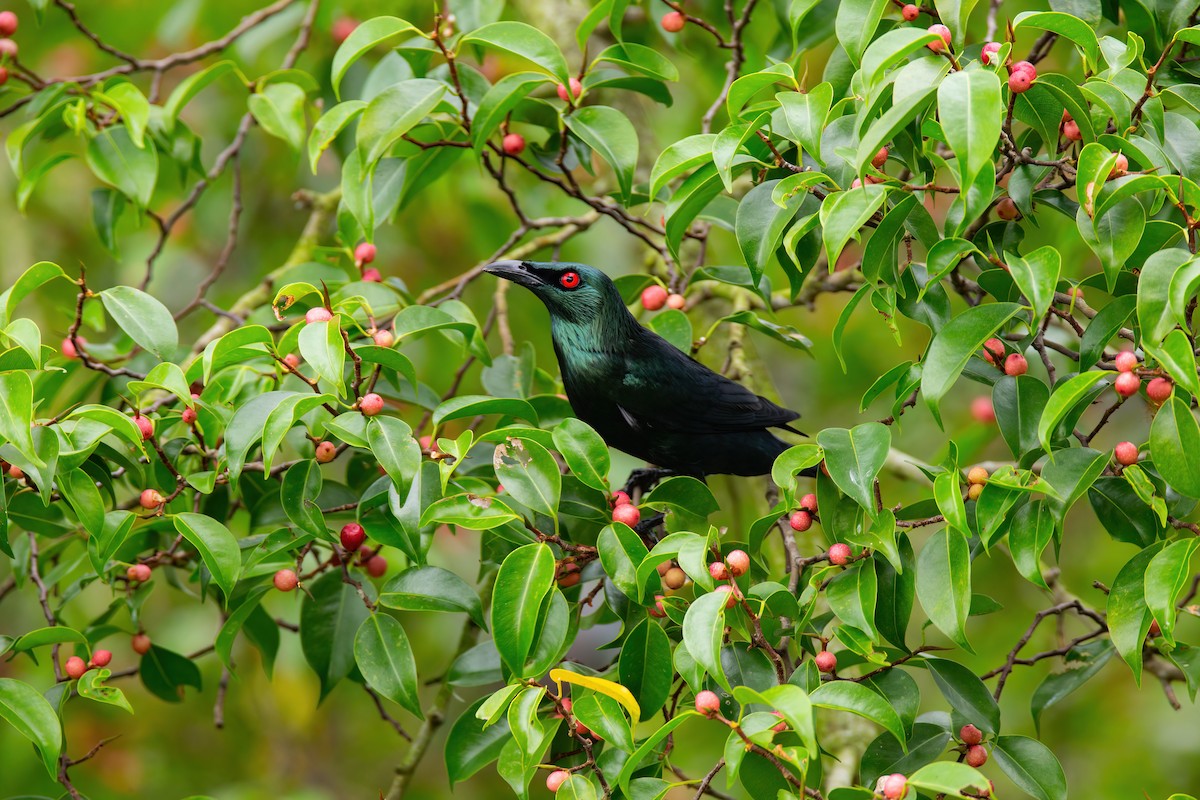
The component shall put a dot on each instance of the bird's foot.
(645, 479)
(648, 528)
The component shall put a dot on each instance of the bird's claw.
(645, 479)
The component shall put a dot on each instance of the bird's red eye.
(569, 280)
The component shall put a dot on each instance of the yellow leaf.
(614, 690)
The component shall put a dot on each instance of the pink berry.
(982, 410)
(353, 535)
(1126, 361)
(188, 416)
(318, 314)
(1016, 364)
(993, 351)
(826, 661)
(1120, 167)
(1070, 130)
(627, 513)
(370, 404)
(989, 52)
(292, 360)
(1007, 210)
(556, 779)
(977, 755)
(364, 253)
(75, 667)
(377, 566)
(8, 23)
(151, 499)
(326, 452)
(658, 610)
(944, 33)
(576, 90)
(140, 644)
(733, 594)
(145, 425)
(138, 572)
(894, 786)
(969, 735)
(1127, 384)
(673, 22)
(620, 498)
(739, 562)
(1126, 453)
(718, 571)
(1026, 67)
(800, 521)
(880, 158)
(101, 658)
(383, 338)
(676, 301)
(286, 580)
(4, 80)
(856, 183)
(68, 347)
(372, 275)
(708, 703)
(1019, 82)
(839, 554)
(342, 28)
(8, 48)
(910, 12)
(1159, 389)
(809, 503)
(654, 297)
(514, 144)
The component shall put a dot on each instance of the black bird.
(637, 390)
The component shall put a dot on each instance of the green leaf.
(883, 130)
(525, 578)
(1176, 356)
(948, 495)
(165, 673)
(465, 406)
(965, 693)
(216, 545)
(1066, 397)
(890, 49)
(610, 133)
(1175, 446)
(1083, 663)
(854, 458)
(1031, 529)
(26, 710)
(471, 745)
(365, 36)
(327, 128)
(385, 659)
(645, 667)
(80, 490)
(584, 451)
(1036, 275)
(191, 86)
(1103, 327)
(1066, 25)
(953, 346)
(760, 224)
(322, 347)
(648, 746)
(501, 98)
(944, 584)
(858, 699)
(432, 589)
(1166, 575)
(525, 41)
(1031, 766)
(30, 180)
(16, 412)
(621, 551)
(844, 213)
(1153, 293)
(530, 474)
(856, 23)
(30, 280)
(805, 114)
(972, 100)
(703, 631)
(475, 512)
(392, 443)
(948, 778)
(91, 686)
(1129, 617)
(792, 702)
(330, 616)
(144, 318)
(279, 110)
(679, 157)
(394, 112)
(852, 596)
(298, 491)
(117, 161)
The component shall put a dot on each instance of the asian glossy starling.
(638, 391)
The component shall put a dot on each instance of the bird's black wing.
(664, 389)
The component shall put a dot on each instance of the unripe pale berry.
(809, 503)
(989, 52)
(189, 416)
(982, 410)
(675, 578)
(352, 536)
(839, 553)
(576, 90)
(75, 667)
(1007, 210)
(800, 521)
(513, 144)
(1126, 453)
(944, 33)
(1126, 361)
(663, 567)
(970, 735)
(993, 351)
(910, 12)
(318, 314)
(894, 786)
(1070, 130)
(826, 661)
(627, 513)
(292, 360)
(974, 490)
(372, 275)
(1120, 167)
(708, 703)
(138, 572)
(733, 595)
(654, 297)
(68, 347)
(15, 472)
(977, 475)
(8, 23)
(151, 499)
(101, 658)
(1019, 82)
(370, 405)
(676, 301)
(556, 779)
(140, 644)
(658, 610)
(977, 755)
(739, 562)
(620, 498)
(718, 571)
(145, 425)
(377, 566)
(8, 48)
(364, 253)
(880, 158)
(856, 183)
(673, 22)
(384, 338)
(1127, 384)
(286, 580)
(325, 452)
(1016, 364)
(1159, 389)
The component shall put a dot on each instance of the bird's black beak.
(514, 271)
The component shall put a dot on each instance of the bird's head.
(574, 293)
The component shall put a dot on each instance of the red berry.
(654, 297)
(970, 735)
(993, 351)
(658, 610)
(101, 658)
(1007, 210)
(292, 360)
(809, 503)
(1016, 364)
(576, 89)
(377, 566)
(138, 572)
(1030, 70)
(1127, 384)
(1120, 167)
(894, 786)
(514, 144)
(910, 12)
(620, 498)
(15, 472)
(982, 410)
(1155, 630)
(370, 405)
(826, 661)
(880, 158)
(4, 80)
(839, 554)
(739, 562)
(372, 275)
(8, 48)
(383, 338)
(140, 644)
(673, 22)
(189, 416)
(856, 183)
(1126, 453)
(676, 301)
(68, 347)
(556, 779)
(627, 513)
(1019, 82)
(1070, 130)
(8, 23)
(1126, 361)
(318, 314)
(734, 594)
(800, 521)
(145, 425)
(976, 755)
(1159, 390)
(353, 535)
(342, 28)
(364, 253)
(568, 574)
(151, 499)
(326, 452)
(944, 33)
(989, 52)
(718, 571)
(286, 580)
(75, 668)
(708, 703)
